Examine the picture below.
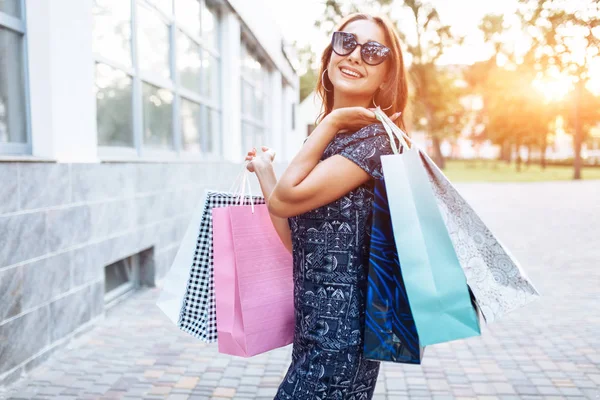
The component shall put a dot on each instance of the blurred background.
(493, 84)
(117, 115)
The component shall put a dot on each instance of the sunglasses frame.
(362, 55)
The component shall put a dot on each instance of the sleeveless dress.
(331, 258)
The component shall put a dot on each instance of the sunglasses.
(372, 53)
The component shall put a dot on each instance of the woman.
(327, 194)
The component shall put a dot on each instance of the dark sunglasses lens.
(343, 43)
(374, 54)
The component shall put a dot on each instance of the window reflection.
(165, 6)
(13, 126)
(153, 42)
(211, 128)
(209, 26)
(197, 70)
(189, 62)
(190, 126)
(210, 69)
(188, 15)
(112, 30)
(113, 103)
(11, 7)
(158, 113)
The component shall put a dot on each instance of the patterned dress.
(331, 253)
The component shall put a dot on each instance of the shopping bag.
(390, 333)
(435, 282)
(187, 297)
(253, 282)
(494, 276)
(499, 283)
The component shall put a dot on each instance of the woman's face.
(371, 76)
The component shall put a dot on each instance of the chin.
(350, 90)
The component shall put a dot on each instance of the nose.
(355, 55)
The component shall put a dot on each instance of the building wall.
(68, 209)
(62, 224)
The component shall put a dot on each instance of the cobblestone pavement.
(548, 350)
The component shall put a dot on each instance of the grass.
(499, 171)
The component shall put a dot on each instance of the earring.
(383, 109)
(323, 80)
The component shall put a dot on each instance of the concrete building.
(115, 115)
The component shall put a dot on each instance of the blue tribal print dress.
(331, 258)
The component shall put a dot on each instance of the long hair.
(395, 92)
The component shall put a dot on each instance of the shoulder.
(367, 132)
(371, 130)
(373, 136)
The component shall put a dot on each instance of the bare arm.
(308, 183)
(268, 180)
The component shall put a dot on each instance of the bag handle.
(392, 130)
(239, 188)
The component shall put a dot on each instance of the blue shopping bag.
(390, 333)
(437, 289)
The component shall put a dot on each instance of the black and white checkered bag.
(188, 297)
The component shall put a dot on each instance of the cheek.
(334, 60)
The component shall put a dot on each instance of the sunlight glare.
(553, 89)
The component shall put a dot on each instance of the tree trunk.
(437, 152)
(528, 162)
(544, 147)
(518, 147)
(578, 138)
(507, 149)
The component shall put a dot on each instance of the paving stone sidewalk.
(548, 350)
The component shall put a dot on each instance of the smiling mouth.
(349, 74)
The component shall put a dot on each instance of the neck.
(344, 100)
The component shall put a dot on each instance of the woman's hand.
(260, 161)
(351, 119)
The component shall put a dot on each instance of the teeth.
(350, 73)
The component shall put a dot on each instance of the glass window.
(210, 69)
(165, 6)
(11, 7)
(13, 123)
(119, 85)
(259, 105)
(211, 128)
(247, 137)
(153, 42)
(209, 26)
(112, 30)
(158, 112)
(188, 15)
(189, 62)
(246, 97)
(113, 103)
(190, 125)
(259, 137)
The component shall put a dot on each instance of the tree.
(308, 77)
(436, 97)
(435, 105)
(565, 40)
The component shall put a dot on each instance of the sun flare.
(553, 89)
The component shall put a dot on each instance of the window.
(157, 76)
(293, 116)
(253, 87)
(14, 130)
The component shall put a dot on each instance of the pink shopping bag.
(254, 289)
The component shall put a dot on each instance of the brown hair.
(396, 90)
